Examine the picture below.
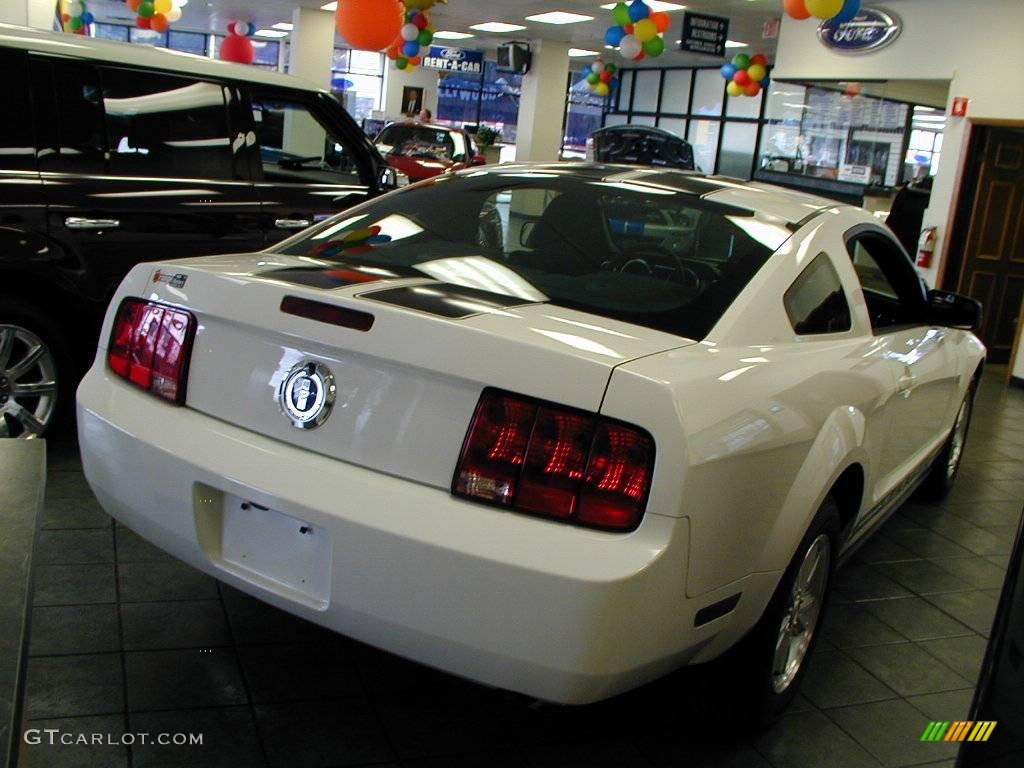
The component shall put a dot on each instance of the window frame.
(911, 294)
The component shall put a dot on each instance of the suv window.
(295, 146)
(815, 302)
(891, 286)
(161, 125)
(17, 142)
(73, 120)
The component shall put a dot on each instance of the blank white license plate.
(279, 552)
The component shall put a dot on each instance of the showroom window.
(357, 80)
(490, 99)
(584, 112)
(816, 303)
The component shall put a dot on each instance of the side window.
(73, 118)
(296, 146)
(162, 125)
(891, 286)
(815, 302)
(17, 139)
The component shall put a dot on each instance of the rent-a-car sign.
(454, 60)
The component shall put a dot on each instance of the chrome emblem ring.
(307, 395)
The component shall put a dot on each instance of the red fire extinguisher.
(926, 247)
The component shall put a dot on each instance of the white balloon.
(597, 66)
(630, 47)
(75, 8)
(410, 32)
(174, 14)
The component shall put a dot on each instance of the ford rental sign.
(871, 30)
(454, 60)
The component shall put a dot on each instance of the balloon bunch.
(237, 46)
(417, 33)
(76, 17)
(839, 11)
(601, 76)
(747, 75)
(354, 243)
(157, 15)
(637, 30)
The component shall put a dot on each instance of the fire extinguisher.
(926, 247)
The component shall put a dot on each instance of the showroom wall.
(397, 80)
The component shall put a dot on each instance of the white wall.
(28, 13)
(542, 105)
(397, 79)
(972, 44)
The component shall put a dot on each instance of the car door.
(310, 159)
(139, 165)
(920, 356)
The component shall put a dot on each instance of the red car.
(424, 150)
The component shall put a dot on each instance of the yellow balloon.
(757, 72)
(824, 9)
(162, 6)
(422, 5)
(645, 30)
(734, 89)
(602, 89)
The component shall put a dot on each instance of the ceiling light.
(284, 25)
(270, 33)
(447, 35)
(574, 52)
(497, 26)
(735, 44)
(559, 17)
(654, 5)
(330, 6)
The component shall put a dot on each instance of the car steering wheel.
(635, 261)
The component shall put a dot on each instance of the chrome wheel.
(958, 438)
(28, 383)
(800, 617)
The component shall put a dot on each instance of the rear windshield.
(637, 252)
(421, 141)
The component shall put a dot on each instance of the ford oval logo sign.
(871, 30)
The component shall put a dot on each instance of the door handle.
(292, 223)
(78, 222)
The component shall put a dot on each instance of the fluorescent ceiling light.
(654, 5)
(330, 6)
(270, 33)
(497, 26)
(559, 17)
(448, 35)
(735, 44)
(284, 25)
(575, 52)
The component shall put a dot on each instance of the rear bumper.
(559, 613)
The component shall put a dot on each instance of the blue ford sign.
(869, 31)
(454, 60)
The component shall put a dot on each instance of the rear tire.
(946, 466)
(35, 373)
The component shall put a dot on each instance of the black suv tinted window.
(17, 142)
(815, 302)
(72, 121)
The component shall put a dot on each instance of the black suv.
(112, 154)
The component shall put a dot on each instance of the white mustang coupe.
(558, 429)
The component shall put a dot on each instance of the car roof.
(778, 202)
(174, 62)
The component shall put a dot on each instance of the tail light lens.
(557, 462)
(150, 346)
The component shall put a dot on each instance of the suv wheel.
(30, 367)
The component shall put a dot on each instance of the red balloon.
(606, 76)
(415, 60)
(759, 58)
(797, 9)
(629, 29)
(238, 49)
(142, 22)
(752, 88)
(741, 78)
(369, 25)
(420, 20)
(661, 20)
(640, 56)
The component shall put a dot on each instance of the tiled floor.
(127, 640)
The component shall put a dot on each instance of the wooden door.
(993, 267)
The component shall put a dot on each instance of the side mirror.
(953, 310)
(478, 160)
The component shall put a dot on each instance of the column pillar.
(311, 46)
(40, 14)
(542, 106)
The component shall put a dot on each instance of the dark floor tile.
(866, 582)
(75, 547)
(280, 673)
(974, 609)
(74, 585)
(999, 470)
(917, 618)
(600, 754)
(50, 752)
(1001, 561)
(62, 455)
(961, 654)
(909, 669)
(67, 686)
(322, 734)
(74, 513)
(851, 625)
(891, 731)
(948, 705)
(923, 577)
(982, 542)
(927, 543)
(811, 739)
(988, 513)
(976, 572)
(177, 624)
(67, 485)
(879, 549)
(256, 623)
(183, 679)
(833, 679)
(229, 739)
(162, 581)
(935, 518)
(74, 629)
(132, 548)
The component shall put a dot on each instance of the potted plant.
(486, 138)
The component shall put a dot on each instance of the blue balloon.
(766, 82)
(252, 29)
(614, 36)
(848, 12)
(728, 70)
(638, 10)
(88, 18)
(411, 48)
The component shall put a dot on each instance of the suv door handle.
(77, 222)
(292, 223)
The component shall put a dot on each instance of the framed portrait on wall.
(412, 100)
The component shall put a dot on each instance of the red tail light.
(150, 347)
(556, 462)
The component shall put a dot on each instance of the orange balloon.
(159, 23)
(752, 88)
(369, 25)
(661, 20)
(134, 4)
(415, 60)
(797, 9)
